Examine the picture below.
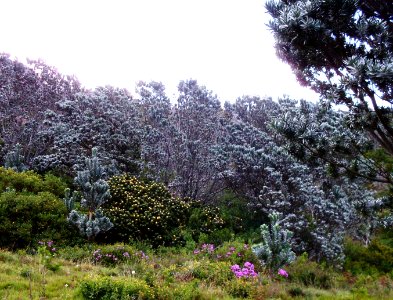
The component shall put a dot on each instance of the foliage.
(343, 50)
(30, 182)
(275, 251)
(310, 273)
(47, 251)
(234, 252)
(376, 258)
(95, 192)
(27, 218)
(14, 160)
(204, 220)
(170, 276)
(177, 140)
(107, 288)
(144, 211)
(25, 89)
(104, 118)
(110, 255)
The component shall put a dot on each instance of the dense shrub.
(27, 218)
(111, 288)
(207, 220)
(311, 273)
(144, 211)
(376, 258)
(31, 182)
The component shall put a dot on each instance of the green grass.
(173, 274)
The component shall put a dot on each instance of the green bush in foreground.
(25, 219)
(115, 288)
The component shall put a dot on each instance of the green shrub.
(144, 211)
(237, 215)
(30, 182)
(26, 219)
(207, 221)
(115, 288)
(218, 272)
(374, 259)
(241, 288)
(182, 291)
(310, 273)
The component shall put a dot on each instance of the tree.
(105, 118)
(275, 250)
(26, 91)
(177, 141)
(95, 192)
(343, 49)
(318, 209)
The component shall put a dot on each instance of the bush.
(311, 273)
(144, 211)
(26, 219)
(119, 288)
(374, 259)
(207, 220)
(30, 182)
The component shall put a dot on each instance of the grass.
(172, 274)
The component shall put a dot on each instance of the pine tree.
(275, 251)
(95, 191)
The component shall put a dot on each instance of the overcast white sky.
(224, 44)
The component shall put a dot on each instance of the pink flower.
(283, 273)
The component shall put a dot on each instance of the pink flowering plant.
(47, 251)
(247, 271)
(282, 273)
(113, 255)
(235, 252)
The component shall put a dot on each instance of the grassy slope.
(176, 275)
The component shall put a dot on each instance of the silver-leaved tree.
(95, 192)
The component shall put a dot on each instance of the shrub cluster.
(144, 211)
(27, 218)
(30, 209)
(31, 182)
(374, 259)
(111, 288)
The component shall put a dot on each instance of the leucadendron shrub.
(31, 182)
(27, 218)
(144, 211)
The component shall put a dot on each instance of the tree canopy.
(343, 50)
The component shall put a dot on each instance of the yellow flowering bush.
(144, 211)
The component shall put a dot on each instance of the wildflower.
(126, 254)
(283, 273)
(196, 251)
(249, 265)
(246, 272)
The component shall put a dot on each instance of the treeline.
(296, 158)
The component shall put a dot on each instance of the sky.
(224, 44)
